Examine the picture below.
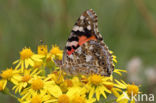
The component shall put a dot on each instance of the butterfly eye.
(103, 63)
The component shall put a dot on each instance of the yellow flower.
(26, 53)
(25, 79)
(38, 85)
(10, 75)
(35, 84)
(56, 52)
(131, 90)
(27, 58)
(42, 49)
(96, 85)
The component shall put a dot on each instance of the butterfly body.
(85, 52)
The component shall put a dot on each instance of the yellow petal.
(120, 85)
(38, 56)
(15, 62)
(26, 63)
(91, 92)
(107, 90)
(30, 62)
(18, 65)
(97, 93)
(5, 83)
(55, 91)
(22, 66)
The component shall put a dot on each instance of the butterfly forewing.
(85, 29)
(85, 52)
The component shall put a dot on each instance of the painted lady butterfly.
(85, 52)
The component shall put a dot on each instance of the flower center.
(132, 89)
(96, 79)
(69, 83)
(37, 84)
(63, 99)
(42, 49)
(7, 74)
(36, 99)
(26, 53)
(78, 99)
(26, 78)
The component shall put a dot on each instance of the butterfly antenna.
(60, 73)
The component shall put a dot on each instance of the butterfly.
(85, 51)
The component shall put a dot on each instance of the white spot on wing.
(89, 27)
(73, 43)
(79, 50)
(91, 47)
(80, 28)
(82, 17)
(89, 22)
(75, 28)
(88, 58)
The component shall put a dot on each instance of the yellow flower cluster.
(36, 79)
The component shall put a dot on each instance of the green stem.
(6, 91)
(14, 96)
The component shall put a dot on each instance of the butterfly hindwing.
(91, 57)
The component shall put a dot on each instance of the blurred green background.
(128, 28)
